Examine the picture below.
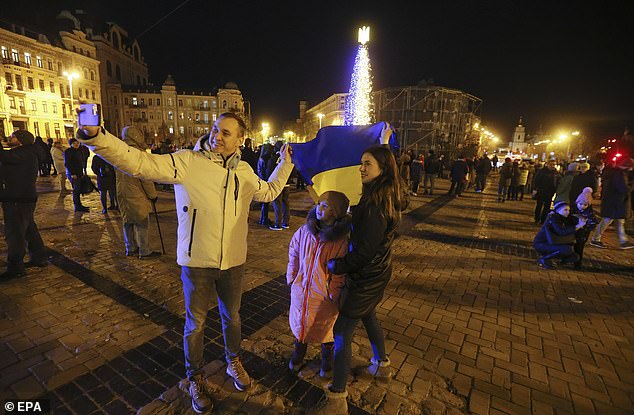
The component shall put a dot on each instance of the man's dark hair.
(242, 126)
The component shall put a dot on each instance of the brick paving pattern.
(472, 325)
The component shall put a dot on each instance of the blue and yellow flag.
(331, 160)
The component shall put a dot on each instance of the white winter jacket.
(213, 196)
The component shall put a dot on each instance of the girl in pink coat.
(314, 291)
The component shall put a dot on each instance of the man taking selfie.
(213, 190)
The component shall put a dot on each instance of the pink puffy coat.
(314, 291)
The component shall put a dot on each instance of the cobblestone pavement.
(472, 325)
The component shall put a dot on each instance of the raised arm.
(269, 190)
(161, 168)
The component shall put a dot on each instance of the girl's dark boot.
(298, 356)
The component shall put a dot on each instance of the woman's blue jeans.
(343, 332)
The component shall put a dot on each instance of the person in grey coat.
(135, 203)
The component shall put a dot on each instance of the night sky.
(559, 65)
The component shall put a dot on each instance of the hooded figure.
(314, 290)
(135, 202)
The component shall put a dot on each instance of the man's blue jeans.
(343, 332)
(199, 285)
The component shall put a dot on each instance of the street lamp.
(265, 131)
(70, 76)
(320, 115)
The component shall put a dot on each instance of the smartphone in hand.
(90, 115)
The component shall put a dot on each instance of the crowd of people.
(340, 259)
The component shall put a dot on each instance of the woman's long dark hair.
(385, 190)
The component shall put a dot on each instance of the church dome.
(231, 85)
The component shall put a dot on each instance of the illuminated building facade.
(34, 90)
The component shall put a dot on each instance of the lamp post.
(320, 116)
(70, 76)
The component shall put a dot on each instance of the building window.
(170, 115)
(149, 101)
(15, 55)
(85, 73)
(94, 95)
(63, 110)
(58, 132)
(134, 101)
(27, 58)
(158, 102)
(29, 82)
(142, 115)
(197, 117)
(81, 92)
(205, 104)
(50, 65)
(169, 102)
(171, 129)
(9, 78)
(180, 102)
(61, 90)
(108, 68)
(5, 53)
(213, 117)
(36, 128)
(18, 82)
(60, 68)
(181, 116)
(42, 87)
(224, 104)
(142, 101)
(12, 102)
(33, 105)
(125, 100)
(115, 100)
(44, 107)
(52, 86)
(47, 128)
(38, 61)
(181, 130)
(92, 75)
(117, 71)
(54, 105)
(206, 117)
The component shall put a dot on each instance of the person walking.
(74, 165)
(266, 152)
(57, 154)
(314, 290)
(504, 179)
(546, 180)
(522, 179)
(106, 183)
(19, 168)
(432, 169)
(280, 204)
(483, 168)
(45, 167)
(416, 173)
(213, 189)
(368, 269)
(458, 173)
(614, 204)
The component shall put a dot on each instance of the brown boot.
(198, 392)
(298, 356)
(327, 350)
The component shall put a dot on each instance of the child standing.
(583, 208)
(314, 290)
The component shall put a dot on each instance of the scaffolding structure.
(431, 117)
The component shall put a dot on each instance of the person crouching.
(556, 237)
(314, 290)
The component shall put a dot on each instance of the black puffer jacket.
(18, 172)
(558, 224)
(368, 264)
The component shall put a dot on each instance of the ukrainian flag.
(331, 160)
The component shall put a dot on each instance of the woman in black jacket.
(368, 266)
(556, 238)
